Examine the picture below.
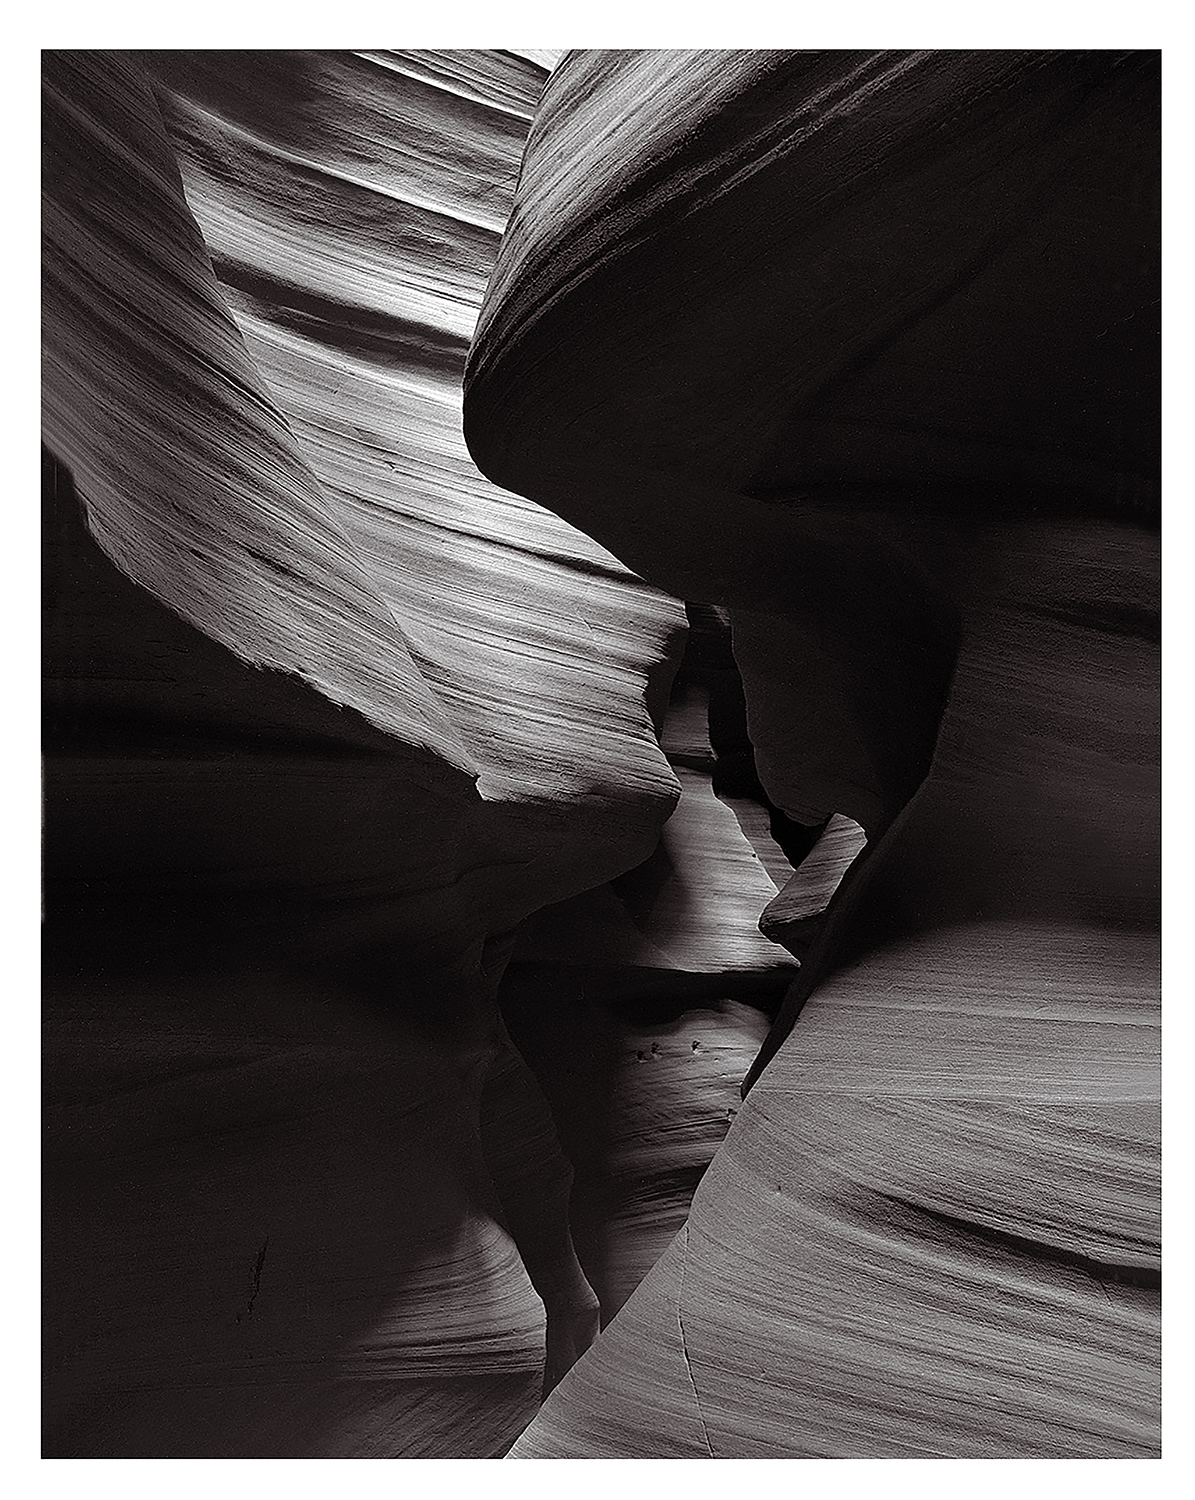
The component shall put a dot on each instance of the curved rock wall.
(933, 1229)
(346, 537)
(949, 189)
(327, 716)
(863, 348)
(347, 746)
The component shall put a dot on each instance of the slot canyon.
(600, 642)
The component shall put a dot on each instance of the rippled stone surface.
(368, 965)
(328, 715)
(860, 349)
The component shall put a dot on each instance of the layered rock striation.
(862, 349)
(328, 715)
(417, 915)
(294, 484)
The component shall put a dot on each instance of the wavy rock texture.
(327, 716)
(858, 344)
(862, 349)
(505, 612)
(794, 917)
(641, 1005)
(857, 353)
(643, 1087)
(953, 1157)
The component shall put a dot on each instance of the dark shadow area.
(269, 1228)
(709, 659)
(642, 1072)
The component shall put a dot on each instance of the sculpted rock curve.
(863, 348)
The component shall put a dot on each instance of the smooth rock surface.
(716, 327)
(271, 1229)
(931, 1233)
(949, 1153)
(643, 1081)
(794, 916)
(857, 353)
(347, 505)
(862, 350)
(327, 716)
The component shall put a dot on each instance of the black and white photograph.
(600, 811)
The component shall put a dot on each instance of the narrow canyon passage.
(275, 1223)
(601, 692)
(277, 889)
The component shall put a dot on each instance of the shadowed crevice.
(684, 1348)
(1120, 1273)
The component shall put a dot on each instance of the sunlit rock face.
(295, 485)
(371, 941)
(862, 350)
(328, 715)
(641, 1005)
